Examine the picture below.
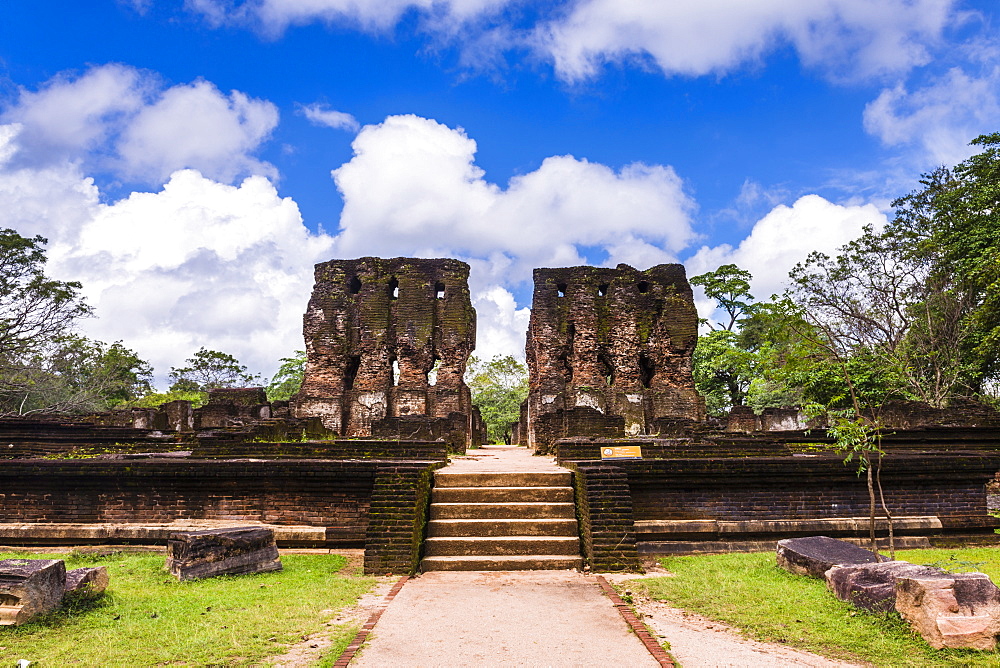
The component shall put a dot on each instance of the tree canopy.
(498, 387)
(288, 379)
(209, 370)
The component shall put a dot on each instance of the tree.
(882, 300)
(75, 374)
(208, 370)
(498, 387)
(953, 221)
(723, 370)
(34, 309)
(729, 286)
(287, 381)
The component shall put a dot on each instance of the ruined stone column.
(609, 352)
(377, 333)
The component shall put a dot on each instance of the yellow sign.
(621, 452)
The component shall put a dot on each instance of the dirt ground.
(699, 642)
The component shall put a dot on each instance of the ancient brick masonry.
(387, 341)
(609, 352)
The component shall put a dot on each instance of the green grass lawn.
(149, 618)
(751, 593)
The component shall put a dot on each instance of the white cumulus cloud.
(413, 187)
(195, 263)
(783, 238)
(115, 117)
(274, 16)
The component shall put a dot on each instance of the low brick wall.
(756, 498)
(604, 512)
(946, 486)
(378, 504)
(317, 493)
(397, 523)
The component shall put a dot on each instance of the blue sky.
(190, 160)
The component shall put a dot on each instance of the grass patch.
(149, 618)
(767, 603)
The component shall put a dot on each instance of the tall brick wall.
(609, 352)
(376, 330)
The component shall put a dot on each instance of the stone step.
(518, 527)
(501, 494)
(504, 479)
(488, 511)
(492, 547)
(544, 562)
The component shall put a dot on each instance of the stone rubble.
(193, 555)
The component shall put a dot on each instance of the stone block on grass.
(815, 555)
(873, 586)
(29, 588)
(193, 555)
(86, 583)
(958, 610)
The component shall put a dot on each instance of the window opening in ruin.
(393, 288)
(395, 373)
(643, 287)
(606, 367)
(351, 372)
(567, 371)
(439, 290)
(561, 288)
(432, 375)
(646, 370)
(602, 290)
(355, 285)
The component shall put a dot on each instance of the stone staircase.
(502, 521)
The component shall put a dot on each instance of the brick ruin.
(349, 461)
(387, 341)
(609, 353)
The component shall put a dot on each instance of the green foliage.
(729, 286)
(76, 374)
(769, 604)
(208, 370)
(287, 381)
(156, 399)
(953, 221)
(723, 370)
(498, 388)
(148, 618)
(882, 300)
(34, 309)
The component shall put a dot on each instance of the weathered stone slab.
(815, 555)
(951, 609)
(204, 554)
(86, 582)
(30, 587)
(873, 586)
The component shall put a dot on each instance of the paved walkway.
(537, 618)
(504, 618)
